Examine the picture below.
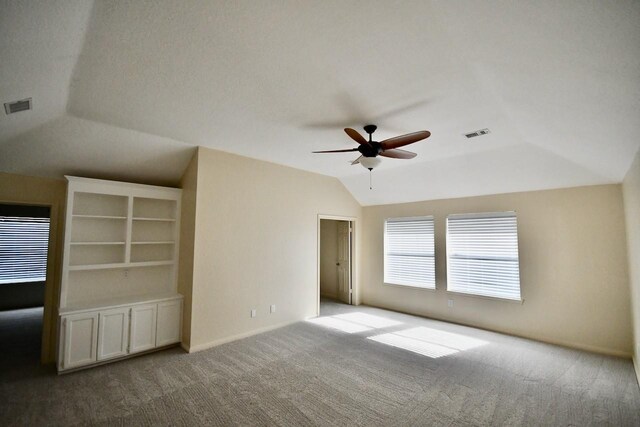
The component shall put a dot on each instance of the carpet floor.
(351, 366)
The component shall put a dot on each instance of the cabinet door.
(80, 339)
(143, 327)
(169, 322)
(113, 333)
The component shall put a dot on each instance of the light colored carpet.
(311, 374)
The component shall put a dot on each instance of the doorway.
(24, 247)
(335, 260)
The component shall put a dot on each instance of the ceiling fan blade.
(356, 161)
(398, 154)
(356, 136)
(336, 151)
(407, 139)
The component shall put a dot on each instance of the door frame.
(49, 338)
(354, 275)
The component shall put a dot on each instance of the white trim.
(354, 270)
(504, 286)
(546, 340)
(420, 288)
(482, 215)
(211, 344)
(467, 294)
(636, 367)
(128, 356)
(120, 302)
(408, 218)
(92, 185)
(385, 248)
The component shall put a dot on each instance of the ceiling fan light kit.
(370, 162)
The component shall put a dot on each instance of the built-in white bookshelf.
(121, 244)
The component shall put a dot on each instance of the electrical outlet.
(273, 308)
(450, 303)
(126, 273)
(254, 312)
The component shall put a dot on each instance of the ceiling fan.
(370, 150)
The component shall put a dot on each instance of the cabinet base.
(118, 359)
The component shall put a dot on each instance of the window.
(409, 252)
(482, 255)
(23, 244)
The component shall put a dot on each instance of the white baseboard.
(579, 346)
(569, 344)
(205, 346)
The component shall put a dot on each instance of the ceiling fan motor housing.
(372, 149)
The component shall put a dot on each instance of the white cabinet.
(143, 327)
(110, 333)
(80, 339)
(120, 261)
(169, 322)
(113, 333)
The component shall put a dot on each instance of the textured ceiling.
(558, 84)
(39, 46)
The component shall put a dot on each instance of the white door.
(113, 333)
(169, 322)
(143, 327)
(344, 261)
(80, 339)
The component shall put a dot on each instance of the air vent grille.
(17, 106)
(477, 133)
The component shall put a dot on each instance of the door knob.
(337, 263)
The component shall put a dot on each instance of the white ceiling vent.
(477, 133)
(17, 106)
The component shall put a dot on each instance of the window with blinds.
(482, 255)
(23, 248)
(409, 252)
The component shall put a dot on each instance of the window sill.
(516, 301)
(420, 288)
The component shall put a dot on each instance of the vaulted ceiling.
(126, 90)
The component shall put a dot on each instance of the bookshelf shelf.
(79, 216)
(121, 243)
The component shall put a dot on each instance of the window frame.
(485, 215)
(392, 282)
(34, 252)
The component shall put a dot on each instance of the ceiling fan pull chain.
(370, 185)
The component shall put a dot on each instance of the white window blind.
(409, 252)
(23, 249)
(482, 255)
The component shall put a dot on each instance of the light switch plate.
(273, 308)
(254, 312)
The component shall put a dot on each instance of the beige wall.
(328, 258)
(44, 192)
(573, 267)
(631, 191)
(256, 244)
(189, 185)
